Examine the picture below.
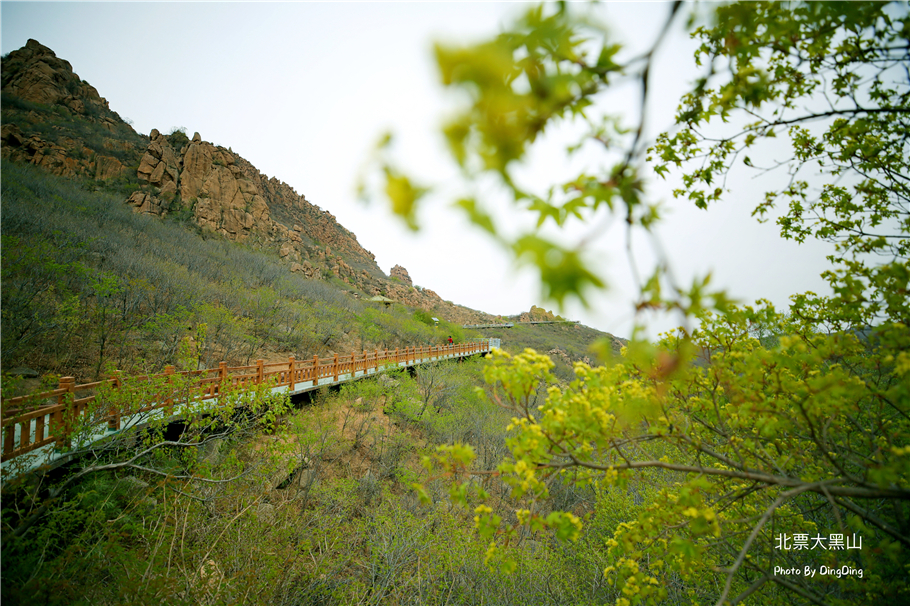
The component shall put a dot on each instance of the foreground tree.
(760, 468)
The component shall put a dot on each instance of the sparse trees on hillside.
(87, 284)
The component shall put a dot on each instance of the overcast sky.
(304, 90)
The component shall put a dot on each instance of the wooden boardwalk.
(39, 424)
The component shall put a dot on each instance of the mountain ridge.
(215, 188)
(54, 120)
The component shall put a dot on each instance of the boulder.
(146, 203)
(107, 167)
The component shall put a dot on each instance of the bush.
(177, 138)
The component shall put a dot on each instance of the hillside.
(122, 251)
(118, 247)
(759, 454)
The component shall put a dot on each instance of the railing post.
(335, 368)
(396, 357)
(63, 419)
(113, 424)
(353, 364)
(222, 377)
(291, 372)
(259, 372)
(169, 402)
(9, 436)
(315, 370)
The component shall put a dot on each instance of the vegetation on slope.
(87, 284)
(252, 503)
(316, 508)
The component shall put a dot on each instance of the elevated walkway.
(35, 428)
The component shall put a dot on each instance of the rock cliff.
(226, 194)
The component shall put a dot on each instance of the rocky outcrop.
(402, 274)
(85, 138)
(160, 166)
(223, 196)
(35, 73)
(424, 298)
(148, 204)
(537, 314)
(229, 196)
(68, 158)
(107, 167)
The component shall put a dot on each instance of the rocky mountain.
(225, 194)
(55, 120)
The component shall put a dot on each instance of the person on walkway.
(451, 341)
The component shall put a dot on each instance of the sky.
(305, 90)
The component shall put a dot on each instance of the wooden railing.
(37, 420)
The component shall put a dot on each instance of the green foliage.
(800, 419)
(724, 441)
(423, 316)
(845, 56)
(86, 281)
(177, 138)
(289, 523)
(57, 527)
(40, 293)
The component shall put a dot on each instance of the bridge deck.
(33, 430)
